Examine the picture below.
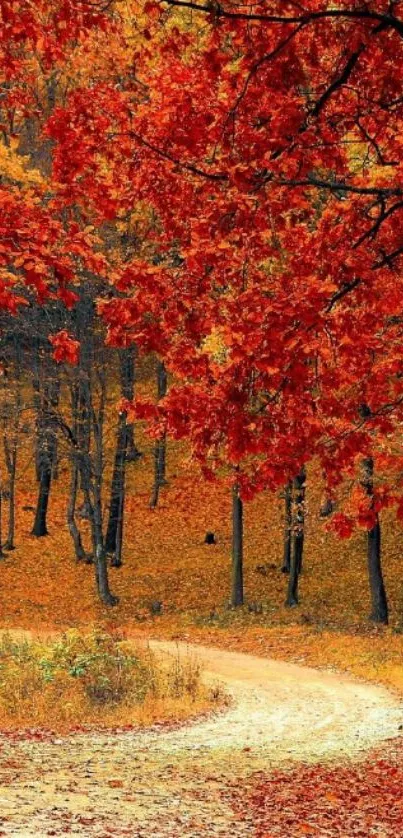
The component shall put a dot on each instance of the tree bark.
(117, 558)
(117, 488)
(46, 450)
(127, 363)
(160, 446)
(287, 528)
(237, 594)
(10, 446)
(90, 462)
(10, 540)
(71, 516)
(45, 478)
(2, 556)
(297, 546)
(379, 602)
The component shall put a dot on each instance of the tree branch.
(386, 20)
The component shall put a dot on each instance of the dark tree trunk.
(36, 386)
(71, 516)
(237, 549)
(10, 446)
(55, 462)
(127, 363)
(10, 541)
(100, 558)
(297, 545)
(45, 478)
(160, 446)
(379, 602)
(123, 452)
(287, 528)
(117, 558)
(74, 481)
(90, 463)
(2, 556)
(117, 489)
(45, 453)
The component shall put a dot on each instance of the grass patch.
(94, 680)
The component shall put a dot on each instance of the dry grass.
(93, 680)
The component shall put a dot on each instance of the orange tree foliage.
(42, 247)
(266, 143)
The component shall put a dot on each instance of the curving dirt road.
(172, 783)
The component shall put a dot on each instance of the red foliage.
(271, 284)
(323, 801)
(65, 348)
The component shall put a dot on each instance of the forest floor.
(203, 778)
(260, 768)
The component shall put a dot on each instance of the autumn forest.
(201, 418)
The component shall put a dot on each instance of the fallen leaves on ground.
(328, 801)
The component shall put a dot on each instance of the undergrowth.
(93, 679)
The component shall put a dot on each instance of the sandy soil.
(172, 783)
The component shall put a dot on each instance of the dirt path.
(172, 783)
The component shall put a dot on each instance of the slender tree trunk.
(55, 462)
(117, 558)
(127, 363)
(10, 456)
(297, 546)
(2, 556)
(101, 565)
(36, 386)
(46, 452)
(10, 446)
(71, 516)
(299, 535)
(91, 463)
(10, 541)
(379, 602)
(93, 503)
(287, 528)
(77, 438)
(237, 549)
(45, 478)
(160, 446)
(124, 440)
(117, 487)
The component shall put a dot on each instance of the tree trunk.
(101, 565)
(55, 462)
(287, 528)
(379, 602)
(237, 549)
(10, 540)
(10, 445)
(36, 386)
(160, 446)
(117, 558)
(71, 516)
(2, 556)
(10, 456)
(90, 491)
(46, 450)
(90, 462)
(45, 478)
(117, 488)
(297, 546)
(127, 359)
